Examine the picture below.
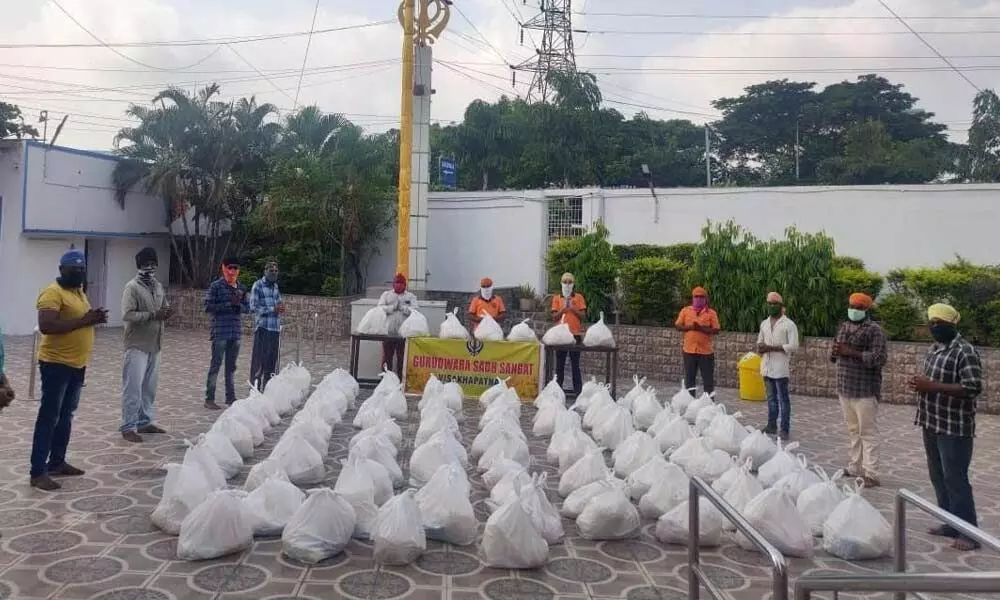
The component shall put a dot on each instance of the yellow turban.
(943, 312)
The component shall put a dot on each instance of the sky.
(668, 59)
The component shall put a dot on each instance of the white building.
(505, 234)
(54, 198)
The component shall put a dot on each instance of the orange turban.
(699, 291)
(485, 282)
(860, 299)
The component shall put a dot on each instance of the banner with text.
(473, 364)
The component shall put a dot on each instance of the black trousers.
(264, 357)
(948, 459)
(574, 361)
(705, 363)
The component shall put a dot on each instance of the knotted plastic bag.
(223, 451)
(692, 410)
(615, 428)
(726, 433)
(560, 335)
(184, 489)
(673, 435)
(634, 393)
(488, 330)
(444, 504)
(491, 394)
(574, 504)
(201, 458)
(599, 335)
(798, 480)
(666, 493)
(399, 531)
(633, 453)
(415, 325)
(773, 514)
(452, 328)
(609, 516)
(856, 530)
(543, 515)
(672, 527)
(300, 461)
(818, 501)
(645, 476)
(272, 505)
(262, 471)
(758, 448)
(781, 464)
(588, 469)
(375, 322)
(681, 400)
(511, 540)
(219, 526)
(522, 332)
(238, 435)
(321, 528)
(646, 409)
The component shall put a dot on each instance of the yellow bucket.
(751, 381)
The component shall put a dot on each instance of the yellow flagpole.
(405, 140)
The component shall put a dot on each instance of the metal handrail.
(901, 582)
(697, 577)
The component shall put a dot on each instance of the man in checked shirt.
(946, 412)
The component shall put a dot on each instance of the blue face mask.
(856, 315)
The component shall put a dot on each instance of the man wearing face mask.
(700, 324)
(859, 350)
(946, 414)
(486, 302)
(397, 304)
(144, 310)
(571, 306)
(777, 341)
(226, 301)
(67, 323)
(267, 306)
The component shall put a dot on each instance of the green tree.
(12, 123)
(981, 162)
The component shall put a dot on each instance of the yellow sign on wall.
(473, 364)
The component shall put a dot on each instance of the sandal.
(964, 544)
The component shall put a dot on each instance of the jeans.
(61, 385)
(574, 361)
(140, 371)
(778, 403)
(392, 352)
(861, 415)
(264, 357)
(230, 350)
(705, 363)
(948, 458)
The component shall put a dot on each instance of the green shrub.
(651, 288)
(682, 253)
(849, 280)
(849, 262)
(898, 316)
(627, 252)
(591, 259)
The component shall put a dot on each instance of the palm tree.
(205, 159)
(310, 130)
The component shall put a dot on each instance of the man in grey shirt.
(397, 304)
(144, 309)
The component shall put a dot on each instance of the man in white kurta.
(777, 341)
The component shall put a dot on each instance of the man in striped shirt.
(946, 414)
(267, 307)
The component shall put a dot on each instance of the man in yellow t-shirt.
(66, 322)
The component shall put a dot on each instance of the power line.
(929, 46)
(484, 38)
(305, 57)
(258, 71)
(773, 57)
(785, 17)
(122, 54)
(198, 42)
(783, 33)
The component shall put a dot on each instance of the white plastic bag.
(543, 515)
(544, 423)
(433, 387)
(395, 402)
(509, 445)
(553, 391)
(615, 428)
(356, 486)
(251, 420)
(184, 488)
(219, 526)
(300, 461)
(399, 531)
(691, 452)
(856, 530)
(692, 410)
(415, 325)
(238, 435)
(633, 394)
(706, 416)
(390, 431)
(200, 458)
(726, 433)
(493, 431)
(434, 420)
(359, 473)
(745, 488)
(511, 541)
(262, 471)
(781, 464)
(710, 466)
(798, 480)
(522, 332)
(574, 504)
(222, 450)
(343, 381)
(599, 335)
(375, 322)
(575, 448)
(662, 419)
(601, 402)
(321, 528)
(681, 400)
(588, 469)
(588, 391)
(373, 433)
(428, 458)
(817, 501)
(672, 527)
(643, 478)
(758, 448)
(560, 335)
(634, 452)
(452, 328)
(674, 434)
(665, 494)
(725, 481)
(646, 409)
(488, 330)
(272, 505)
(492, 393)
(381, 451)
(314, 431)
(371, 413)
(444, 504)
(773, 514)
(609, 516)
(508, 487)
(500, 468)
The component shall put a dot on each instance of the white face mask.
(567, 289)
(856, 315)
(486, 292)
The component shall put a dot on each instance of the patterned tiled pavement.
(94, 538)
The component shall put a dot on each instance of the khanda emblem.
(474, 346)
(430, 19)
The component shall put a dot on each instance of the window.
(565, 217)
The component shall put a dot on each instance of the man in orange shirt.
(571, 306)
(486, 302)
(700, 323)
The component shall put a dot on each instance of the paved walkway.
(94, 539)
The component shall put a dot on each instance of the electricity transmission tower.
(555, 55)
